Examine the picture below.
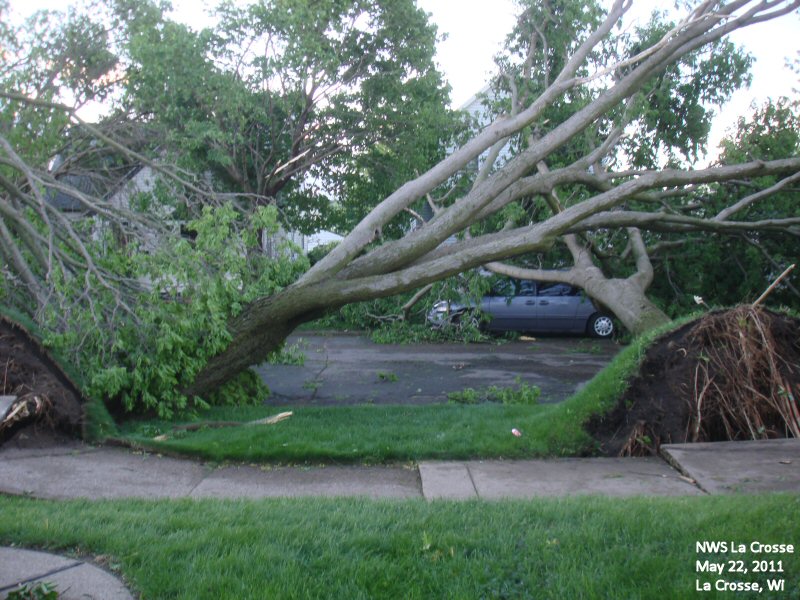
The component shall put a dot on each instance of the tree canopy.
(291, 103)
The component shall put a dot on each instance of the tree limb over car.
(353, 271)
(589, 154)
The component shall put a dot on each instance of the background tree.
(306, 106)
(727, 269)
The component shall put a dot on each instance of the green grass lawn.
(316, 548)
(371, 434)
(577, 547)
(375, 434)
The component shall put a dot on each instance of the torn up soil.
(730, 375)
(42, 404)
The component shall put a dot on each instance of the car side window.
(556, 289)
(527, 288)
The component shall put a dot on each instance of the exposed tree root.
(42, 398)
(746, 383)
(27, 408)
(731, 375)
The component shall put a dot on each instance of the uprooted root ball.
(730, 375)
(44, 400)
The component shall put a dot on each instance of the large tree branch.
(664, 222)
(643, 276)
(569, 276)
(363, 233)
(11, 251)
(590, 214)
(463, 212)
(760, 195)
(584, 215)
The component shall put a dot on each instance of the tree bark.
(624, 298)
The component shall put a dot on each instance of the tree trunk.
(628, 302)
(259, 330)
(624, 298)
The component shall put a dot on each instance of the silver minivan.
(529, 306)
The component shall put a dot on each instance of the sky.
(474, 31)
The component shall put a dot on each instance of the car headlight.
(440, 307)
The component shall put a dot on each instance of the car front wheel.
(601, 326)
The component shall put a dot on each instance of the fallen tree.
(355, 270)
(552, 189)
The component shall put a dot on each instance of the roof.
(64, 201)
(90, 185)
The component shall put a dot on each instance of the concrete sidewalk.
(79, 471)
(73, 579)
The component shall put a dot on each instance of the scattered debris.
(220, 424)
(272, 420)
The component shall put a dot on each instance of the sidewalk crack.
(42, 577)
(206, 472)
(676, 466)
(472, 480)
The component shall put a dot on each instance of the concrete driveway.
(351, 369)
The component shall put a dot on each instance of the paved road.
(350, 369)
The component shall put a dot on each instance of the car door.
(557, 308)
(512, 307)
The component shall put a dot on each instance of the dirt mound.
(38, 401)
(730, 375)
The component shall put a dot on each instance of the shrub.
(143, 355)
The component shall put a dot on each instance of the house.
(139, 179)
(476, 108)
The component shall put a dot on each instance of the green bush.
(142, 355)
(320, 252)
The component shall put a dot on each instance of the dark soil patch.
(730, 375)
(48, 404)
